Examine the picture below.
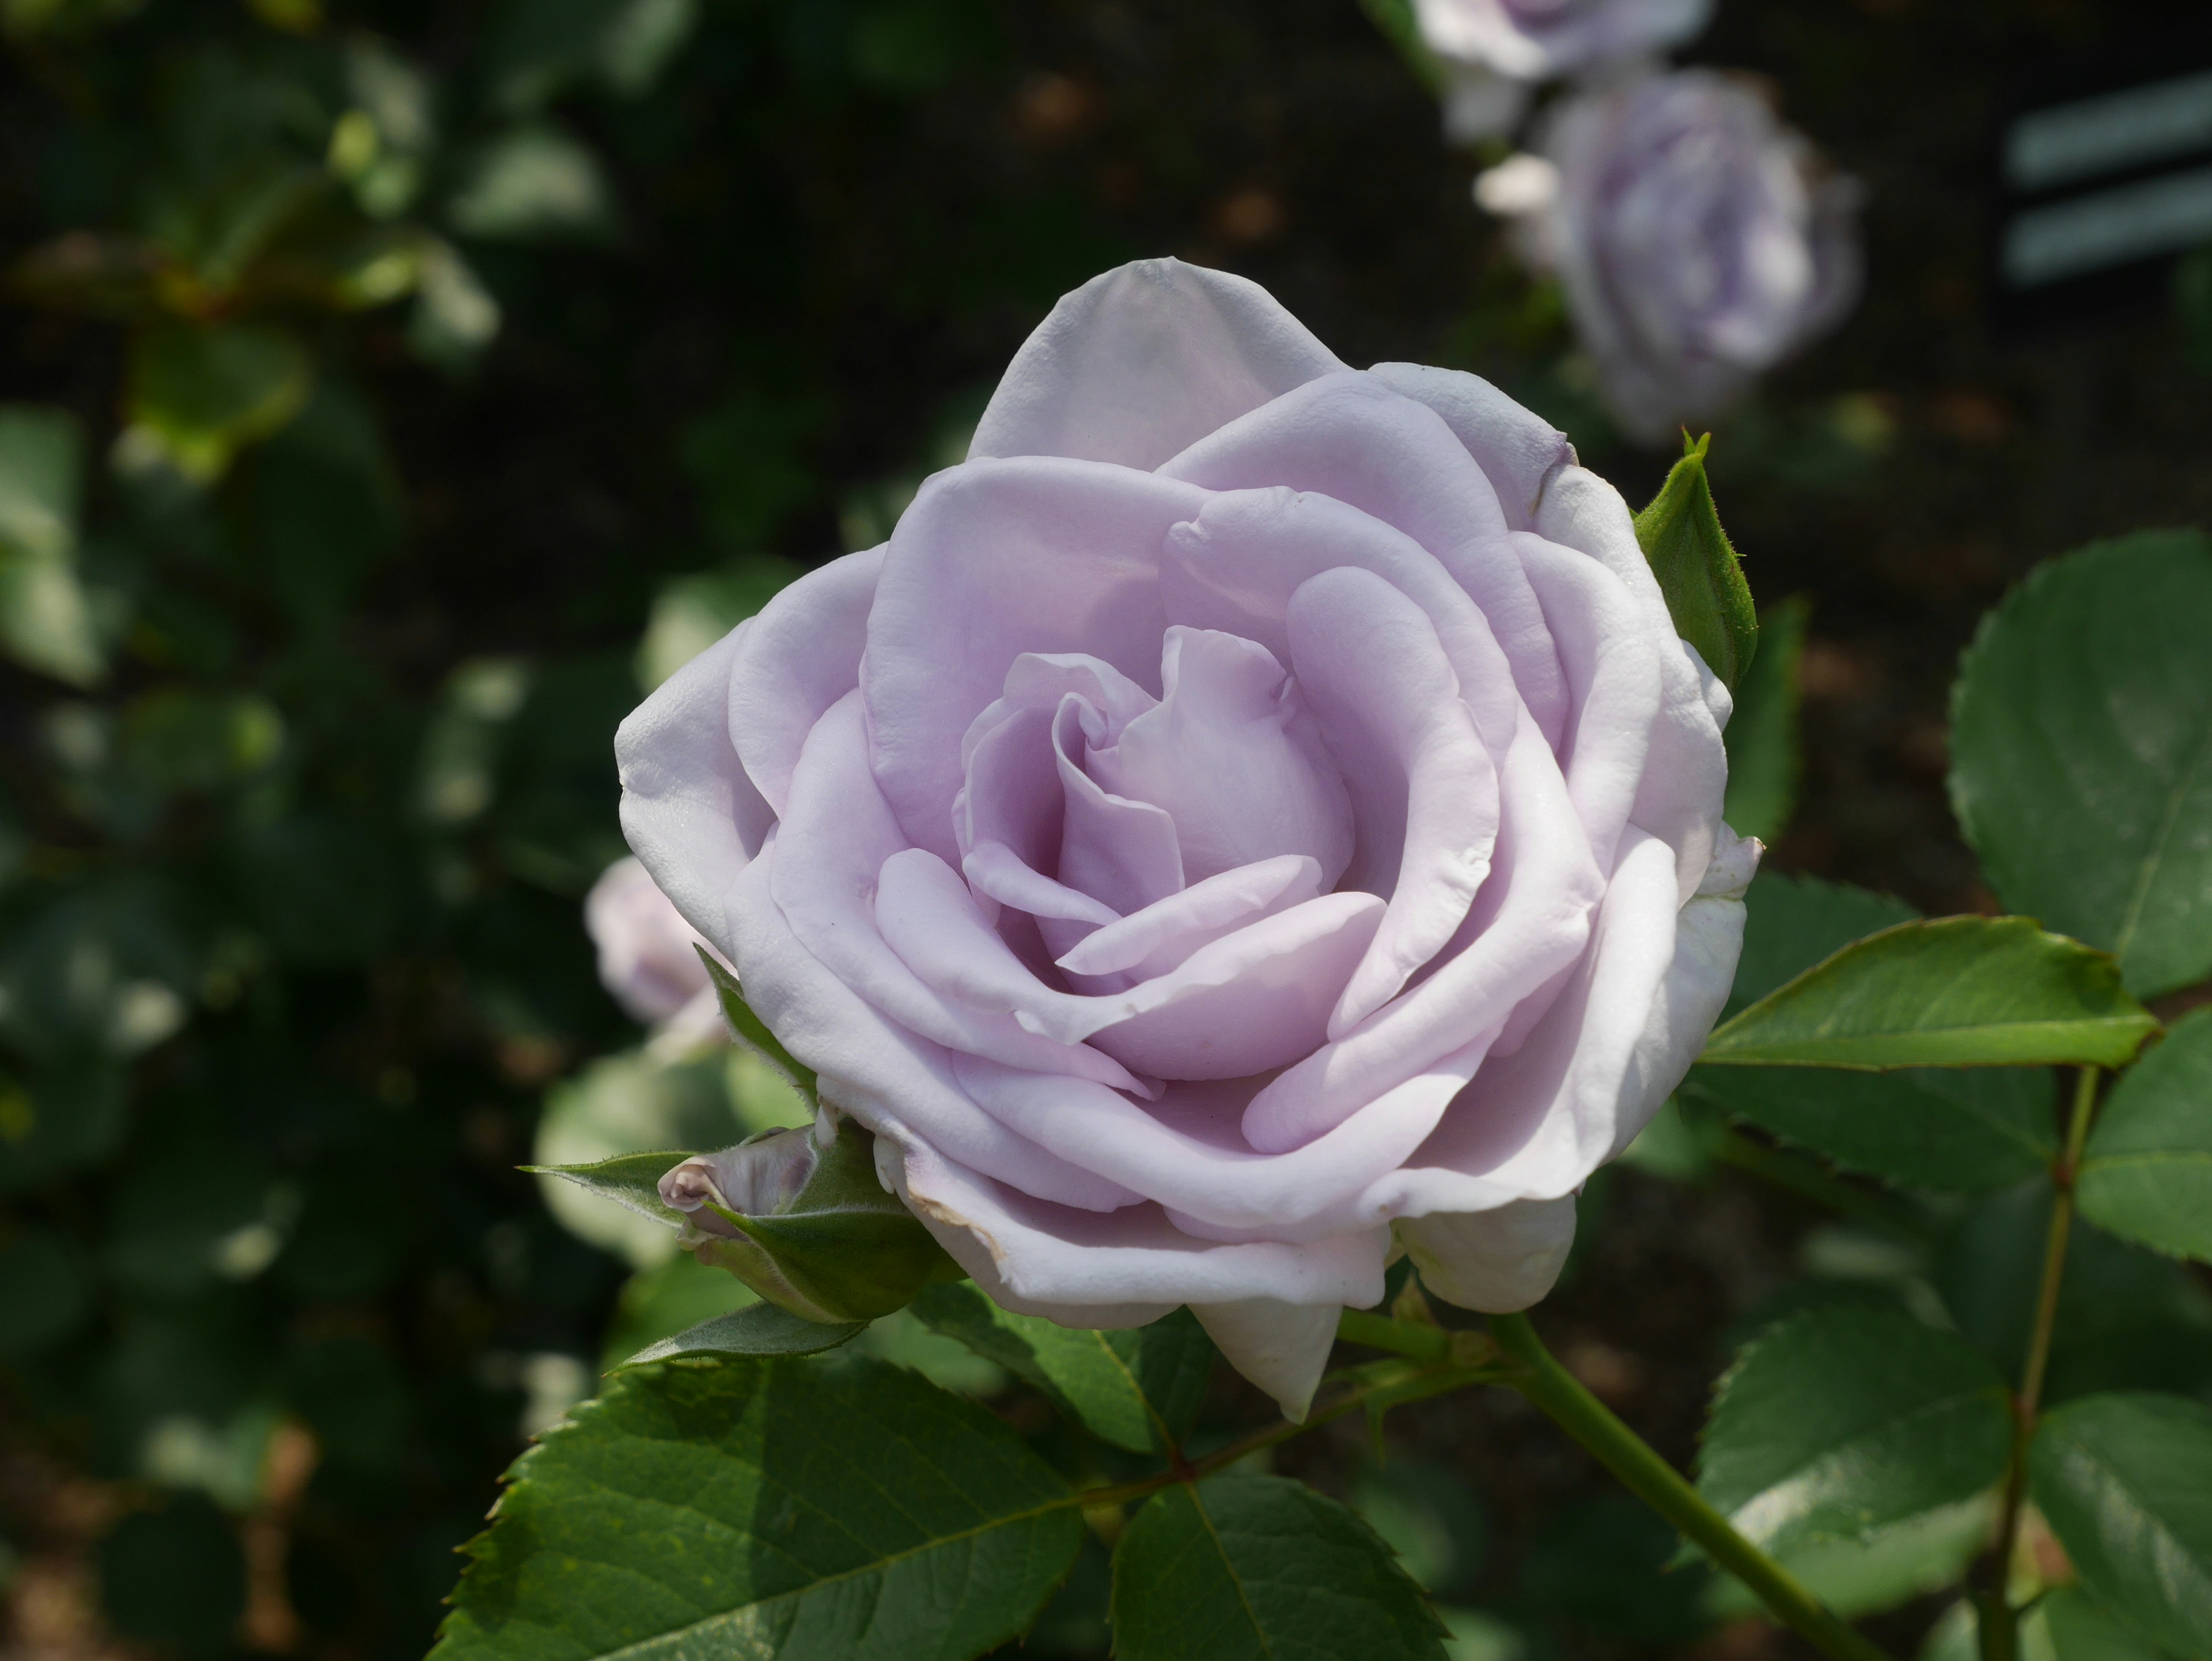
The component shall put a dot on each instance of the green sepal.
(630, 1180)
(756, 1330)
(751, 1030)
(840, 1250)
(1699, 571)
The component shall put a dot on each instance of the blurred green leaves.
(46, 619)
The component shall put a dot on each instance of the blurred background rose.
(393, 391)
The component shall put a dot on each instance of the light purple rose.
(1252, 817)
(1498, 50)
(648, 959)
(1700, 239)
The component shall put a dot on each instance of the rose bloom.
(1497, 49)
(1700, 239)
(1253, 817)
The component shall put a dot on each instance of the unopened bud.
(807, 1227)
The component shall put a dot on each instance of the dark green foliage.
(847, 1512)
(1262, 1569)
(174, 1577)
(2126, 1482)
(1842, 1419)
(1138, 1388)
(2081, 720)
(2147, 1172)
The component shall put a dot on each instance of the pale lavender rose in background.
(649, 960)
(1498, 50)
(1700, 239)
(1254, 817)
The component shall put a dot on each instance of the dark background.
(830, 222)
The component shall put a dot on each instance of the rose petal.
(1497, 1262)
(688, 811)
(1531, 920)
(893, 1081)
(1614, 669)
(1032, 1256)
(1143, 361)
(839, 820)
(1231, 755)
(1352, 437)
(1160, 937)
(1686, 776)
(993, 560)
(799, 656)
(1282, 1348)
(1221, 1192)
(1518, 450)
(1235, 566)
(1623, 1031)
(1123, 854)
(1245, 1003)
(1389, 707)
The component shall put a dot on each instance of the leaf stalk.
(2000, 1622)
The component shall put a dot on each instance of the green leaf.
(1698, 570)
(757, 1329)
(1763, 749)
(1916, 1558)
(2125, 1483)
(802, 1510)
(2069, 1625)
(1843, 1419)
(632, 1181)
(2147, 1172)
(1954, 992)
(532, 183)
(2081, 752)
(45, 620)
(752, 1030)
(1139, 1389)
(1792, 923)
(1966, 1130)
(1262, 1568)
(198, 394)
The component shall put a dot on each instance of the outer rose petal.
(1679, 796)
(1082, 1268)
(1144, 361)
(1493, 1261)
(688, 811)
(1282, 1348)
(799, 656)
(1517, 449)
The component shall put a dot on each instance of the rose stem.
(1652, 1480)
(2000, 1622)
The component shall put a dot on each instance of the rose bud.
(811, 1229)
(649, 960)
(1700, 240)
(1254, 818)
